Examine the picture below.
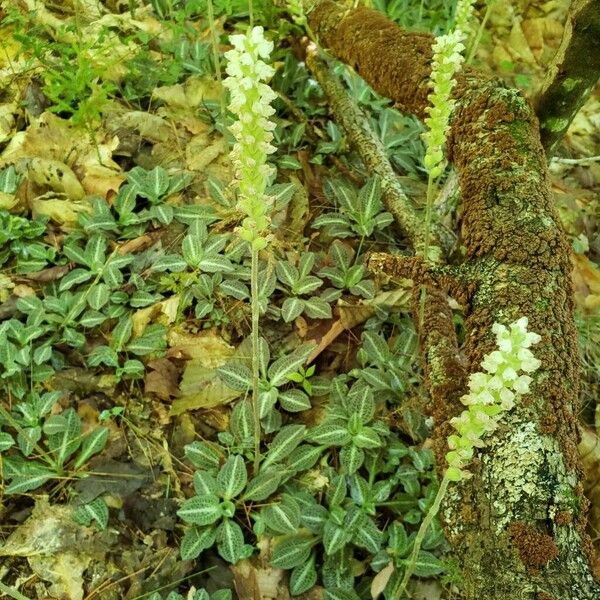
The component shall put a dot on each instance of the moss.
(536, 549)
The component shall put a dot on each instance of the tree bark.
(518, 525)
(572, 74)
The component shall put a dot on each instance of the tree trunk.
(518, 526)
(572, 74)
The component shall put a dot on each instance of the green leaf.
(292, 308)
(195, 541)
(230, 541)
(75, 277)
(232, 477)
(25, 483)
(303, 577)
(367, 438)
(282, 518)
(215, 263)
(284, 443)
(314, 518)
(287, 273)
(339, 594)
(98, 296)
(303, 458)
(205, 484)
(95, 252)
(263, 485)
(152, 340)
(283, 367)
(97, 511)
(169, 262)
(163, 213)
(330, 433)
(370, 197)
(428, 565)
(92, 318)
(334, 537)
(242, 421)
(376, 348)
(93, 443)
(121, 333)
(6, 441)
(192, 250)
(66, 443)
(361, 402)
(351, 458)
(292, 551)
(202, 455)
(294, 401)
(317, 308)
(201, 510)
(236, 376)
(368, 536)
(281, 194)
(216, 191)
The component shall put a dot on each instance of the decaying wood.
(518, 526)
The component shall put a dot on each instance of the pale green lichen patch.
(514, 470)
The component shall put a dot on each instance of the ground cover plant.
(278, 322)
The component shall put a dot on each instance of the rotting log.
(572, 74)
(518, 525)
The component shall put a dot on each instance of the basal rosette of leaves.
(250, 102)
(492, 392)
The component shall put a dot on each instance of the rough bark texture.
(572, 74)
(518, 526)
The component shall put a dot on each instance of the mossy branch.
(356, 125)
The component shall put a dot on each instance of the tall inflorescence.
(447, 61)
(251, 101)
(492, 392)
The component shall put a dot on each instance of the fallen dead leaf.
(162, 379)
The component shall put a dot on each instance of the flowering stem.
(426, 239)
(215, 50)
(255, 307)
(431, 513)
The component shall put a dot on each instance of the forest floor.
(125, 424)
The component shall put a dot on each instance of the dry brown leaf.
(162, 379)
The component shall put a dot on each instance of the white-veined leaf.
(232, 477)
(291, 552)
(286, 440)
(201, 510)
(196, 540)
(263, 485)
(278, 372)
(230, 541)
(236, 376)
(93, 443)
(303, 577)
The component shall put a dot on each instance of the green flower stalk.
(505, 378)
(251, 101)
